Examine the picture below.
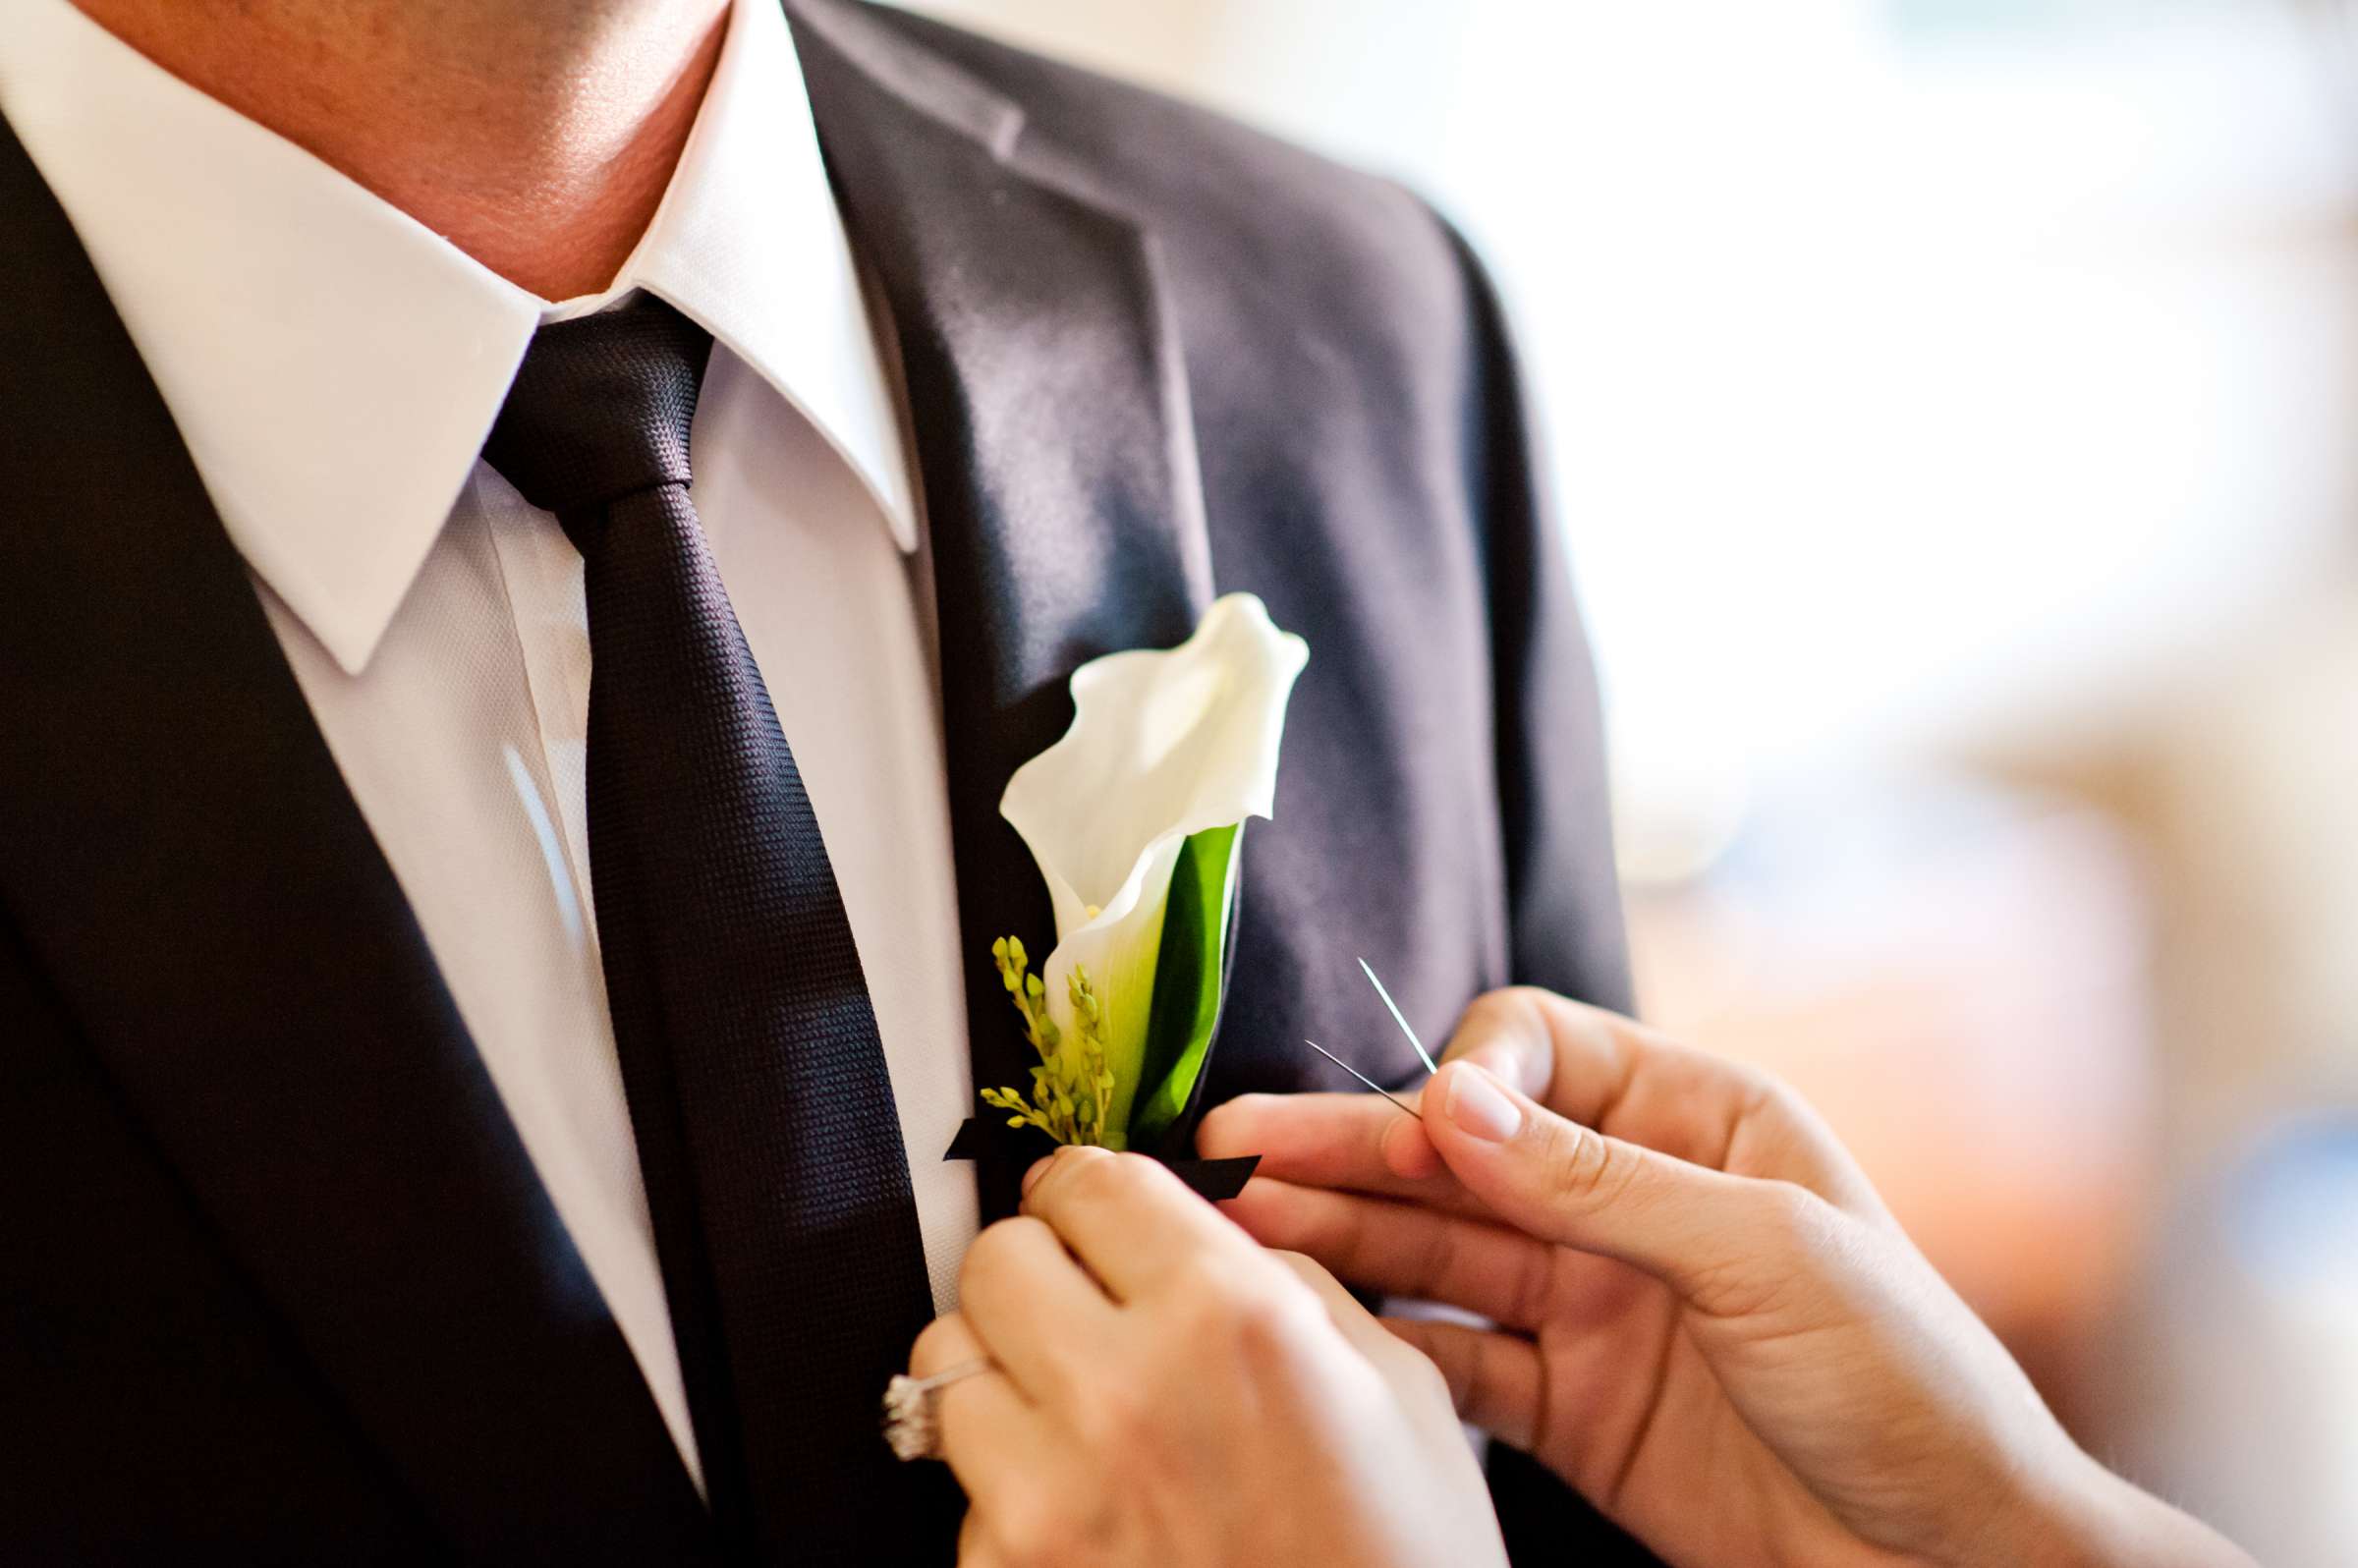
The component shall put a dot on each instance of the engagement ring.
(912, 1410)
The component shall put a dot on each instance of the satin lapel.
(180, 851)
(1053, 438)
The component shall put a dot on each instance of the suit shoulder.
(1298, 227)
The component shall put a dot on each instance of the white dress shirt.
(334, 365)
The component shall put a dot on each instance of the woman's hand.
(1709, 1323)
(1164, 1392)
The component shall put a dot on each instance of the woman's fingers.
(1705, 1233)
(1362, 1139)
(995, 1440)
(1607, 1072)
(975, 1548)
(1037, 1312)
(1125, 1217)
(1359, 1325)
(1404, 1250)
(1610, 1073)
(1496, 1380)
(1396, 1360)
(1590, 1066)
(1361, 1143)
(1510, 1160)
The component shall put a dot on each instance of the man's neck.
(536, 135)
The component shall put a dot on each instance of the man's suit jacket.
(277, 1280)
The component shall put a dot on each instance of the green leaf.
(1188, 971)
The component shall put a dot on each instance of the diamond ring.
(912, 1410)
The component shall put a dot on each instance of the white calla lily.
(1163, 744)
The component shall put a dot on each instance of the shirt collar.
(334, 365)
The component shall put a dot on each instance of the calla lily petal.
(1163, 744)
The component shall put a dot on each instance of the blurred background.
(1952, 406)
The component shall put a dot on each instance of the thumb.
(1700, 1231)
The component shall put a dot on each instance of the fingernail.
(1039, 1168)
(1480, 1108)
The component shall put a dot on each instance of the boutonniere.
(1134, 819)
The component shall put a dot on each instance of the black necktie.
(757, 1082)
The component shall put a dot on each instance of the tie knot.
(601, 409)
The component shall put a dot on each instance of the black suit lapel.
(1053, 438)
(179, 851)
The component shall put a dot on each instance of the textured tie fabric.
(757, 1090)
